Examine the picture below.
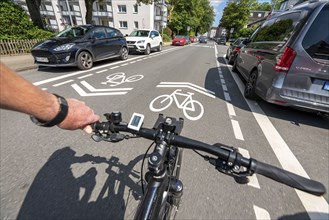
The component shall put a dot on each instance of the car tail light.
(237, 49)
(284, 62)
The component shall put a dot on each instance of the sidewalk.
(20, 62)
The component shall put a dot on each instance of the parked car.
(81, 46)
(286, 60)
(192, 39)
(203, 39)
(144, 41)
(179, 40)
(188, 41)
(221, 40)
(233, 49)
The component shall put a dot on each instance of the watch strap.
(62, 113)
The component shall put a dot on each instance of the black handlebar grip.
(288, 178)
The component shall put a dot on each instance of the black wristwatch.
(62, 113)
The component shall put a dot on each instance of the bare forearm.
(20, 95)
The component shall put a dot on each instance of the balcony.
(47, 13)
(72, 13)
(160, 18)
(102, 14)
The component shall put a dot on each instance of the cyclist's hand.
(79, 116)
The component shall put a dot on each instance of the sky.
(219, 6)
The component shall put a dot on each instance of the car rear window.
(278, 30)
(316, 40)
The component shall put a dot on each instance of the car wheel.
(85, 60)
(231, 60)
(124, 53)
(147, 50)
(249, 91)
(160, 47)
(234, 68)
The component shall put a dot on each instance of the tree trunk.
(89, 11)
(34, 10)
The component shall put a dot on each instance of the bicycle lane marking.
(235, 124)
(316, 206)
(253, 181)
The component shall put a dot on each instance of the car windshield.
(139, 34)
(74, 32)
(179, 36)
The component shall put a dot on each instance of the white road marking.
(230, 109)
(224, 88)
(261, 214)
(112, 68)
(237, 130)
(227, 96)
(253, 181)
(93, 69)
(102, 71)
(125, 64)
(92, 89)
(188, 85)
(85, 76)
(316, 206)
(62, 83)
(81, 92)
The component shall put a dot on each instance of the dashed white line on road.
(102, 71)
(316, 206)
(62, 83)
(237, 130)
(114, 67)
(85, 76)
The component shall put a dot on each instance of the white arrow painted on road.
(98, 92)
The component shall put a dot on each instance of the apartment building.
(125, 15)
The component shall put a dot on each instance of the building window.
(123, 24)
(135, 10)
(135, 24)
(122, 9)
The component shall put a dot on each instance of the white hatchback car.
(144, 41)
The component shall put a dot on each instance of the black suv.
(286, 60)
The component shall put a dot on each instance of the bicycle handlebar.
(224, 153)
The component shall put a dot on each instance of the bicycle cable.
(142, 167)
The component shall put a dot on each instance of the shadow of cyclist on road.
(57, 194)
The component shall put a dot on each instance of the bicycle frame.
(159, 178)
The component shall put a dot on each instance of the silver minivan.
(286, 60)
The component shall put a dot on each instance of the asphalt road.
(57, 174)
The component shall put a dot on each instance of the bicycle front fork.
(175, 190)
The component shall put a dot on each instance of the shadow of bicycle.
(72, 187)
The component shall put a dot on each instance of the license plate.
(130, 46)
(42, 59)
(326, 86)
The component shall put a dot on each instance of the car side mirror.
(126, 35)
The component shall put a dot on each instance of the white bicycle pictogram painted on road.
(192, 109)
(119, 78)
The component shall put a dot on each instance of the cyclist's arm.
(20, 95)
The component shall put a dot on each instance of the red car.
(179, 41)
(192, 39)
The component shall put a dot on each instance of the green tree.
(16, 24)
(236, 13)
